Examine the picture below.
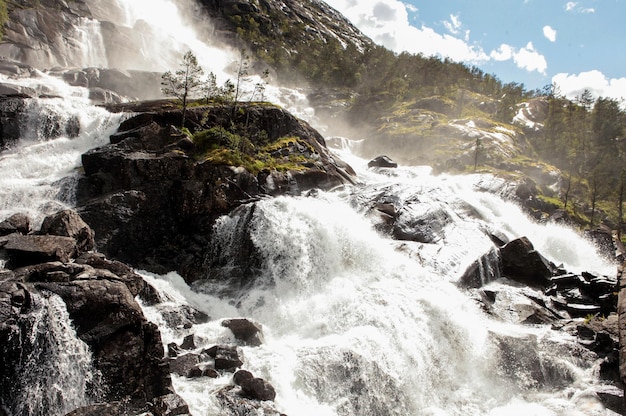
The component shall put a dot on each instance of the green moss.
(4, 17)
(222, 147)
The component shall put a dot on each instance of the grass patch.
(222, 147)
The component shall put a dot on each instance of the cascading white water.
(354, 326)
(36, 171)
(166, 34)
(55, 374)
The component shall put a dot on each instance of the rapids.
(354, 323)
(355, 326)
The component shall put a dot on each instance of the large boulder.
(26, 250)
(226, 357)
(250, 333)
(69, 224)
(16, 223)
(99, 298)
(152, 199)
(521, 262)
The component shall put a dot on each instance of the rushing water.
(37, 174)
(54, 374)
(354, 322)
(354, 326)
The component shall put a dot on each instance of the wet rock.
(226, 357)
(68, 223)
(233, 404)
(382, 162)
(242, 375)
(257, 389)
(126, 348)
(188, 343)
(26, 250)
(11, 112)
(123, 272)
(202, 370)
(181, 316)
(169, 405)
(173, 350)
(528, 364)
(16, 223)
(521, 262)
(251, 333)
(144, 188)
(183, 363)
(420, 222)
(104, 409)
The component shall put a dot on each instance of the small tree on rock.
(184, 83)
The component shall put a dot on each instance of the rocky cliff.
(153, 193)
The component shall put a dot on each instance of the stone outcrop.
(248, 332)
(99, 295)
(621, 310)
(523, 263)
(152, 200)
(382, 162)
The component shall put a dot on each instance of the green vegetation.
(407, 101)
(4, 17)
(223, 147)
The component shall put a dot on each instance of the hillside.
(415, 109)
(422, 110)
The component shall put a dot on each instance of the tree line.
(586, 139)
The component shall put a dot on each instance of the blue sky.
(575, 44)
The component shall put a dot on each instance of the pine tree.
(184, 83)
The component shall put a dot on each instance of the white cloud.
(503, 53)
(411, 7)
(574, 7)
(549, 33)
(595, 81)
(454, 25)
(529, 59)
(526, 58)
(387, 23)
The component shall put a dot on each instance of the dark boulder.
(182, 364)
(26, 250)
(99, 296)
(121, 271)
(257, 389)
(12, 107)
(382, 162)
(202, 370)
(226, 357)
(169, 405)
(521, 262)
(233, 403)
(150, 198)
(241, 376)
(16, 223)
(104, 409)
(250, 333)
(68, 223)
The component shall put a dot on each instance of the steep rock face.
(152, 198)
(317, 20)
(37, 32)
(99, 296)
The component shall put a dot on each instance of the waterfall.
(54, 373)
(54, 132)
(355, 323)
(90, 42)
(355, 326)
